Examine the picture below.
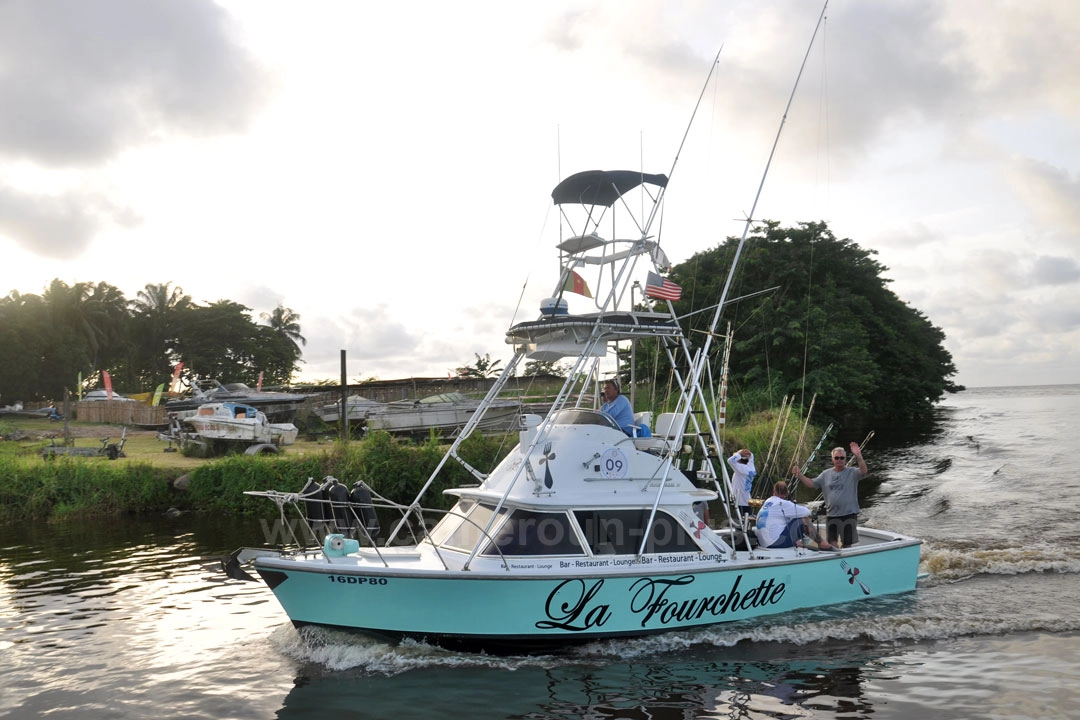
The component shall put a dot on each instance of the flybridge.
(598, 191)
(559, 336)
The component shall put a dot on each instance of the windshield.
(584, 417)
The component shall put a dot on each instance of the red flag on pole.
(576, 284)
(108, 384)
(174, 386)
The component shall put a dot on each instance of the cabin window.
(451, 521)
(619, 532)
(577, 416)
(469, 530)
(527, 532)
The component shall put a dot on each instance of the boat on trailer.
(230, 424)
(582, 532)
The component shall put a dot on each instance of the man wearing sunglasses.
(840, 487)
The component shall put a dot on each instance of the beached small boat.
(356, 410)
(236, 422)
(277, 406)
(445, 413)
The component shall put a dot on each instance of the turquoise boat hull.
(520, 612)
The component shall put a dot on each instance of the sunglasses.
(839, 457)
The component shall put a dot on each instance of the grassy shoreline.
(144, 481)
(33, 488)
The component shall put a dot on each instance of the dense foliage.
(46, 341)
(33, 489)
(831, 326)
(394, 468)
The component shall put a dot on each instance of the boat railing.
(315, 528)
(354, 521)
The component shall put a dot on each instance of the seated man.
(781, 523)
(617, 407)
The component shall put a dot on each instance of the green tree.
(534, 368)
(47, 341)
(71, 337)
(276, 356)
(108, 320)
(283, 320)
(482, 368)
(283, 345)
(219, 341)
(158, 313)
(24, 337)
(828, 325)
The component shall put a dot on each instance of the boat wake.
(947, 565)
(338, 651)
(941, 608)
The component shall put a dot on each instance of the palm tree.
(283, 320)
(484, 367)
(107, 317)
(158, 311)
(159, 299)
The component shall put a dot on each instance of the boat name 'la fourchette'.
(570, 605)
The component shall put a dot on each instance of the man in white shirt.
(780, 521)
(743, 473)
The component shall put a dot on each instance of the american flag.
(661, 288)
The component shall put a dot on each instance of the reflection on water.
(964, 679)
(761, 681)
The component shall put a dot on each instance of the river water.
(133, 618)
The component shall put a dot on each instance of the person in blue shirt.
(617, 407)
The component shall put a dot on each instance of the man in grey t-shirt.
(840, 486)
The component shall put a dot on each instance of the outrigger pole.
(699, 361)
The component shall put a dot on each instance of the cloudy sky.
(384, 169)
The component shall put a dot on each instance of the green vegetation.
(32, 489)
(832, 327)
(482, 368)
(46, 341)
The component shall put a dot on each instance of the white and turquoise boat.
(581, 532)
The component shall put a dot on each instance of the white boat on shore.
(581, 532)
(238, 423)
(445, 413)
(277, 406)
(356, 410)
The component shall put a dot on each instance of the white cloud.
(58, 226)
(91, 79)
(387, 178)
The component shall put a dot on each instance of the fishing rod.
(696, 368)
(782, 416)
(813, 455)
(729, 302)
(861, 446)
(700, 359)
(805, 427)
(686, 133)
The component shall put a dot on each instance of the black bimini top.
(602, 187)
